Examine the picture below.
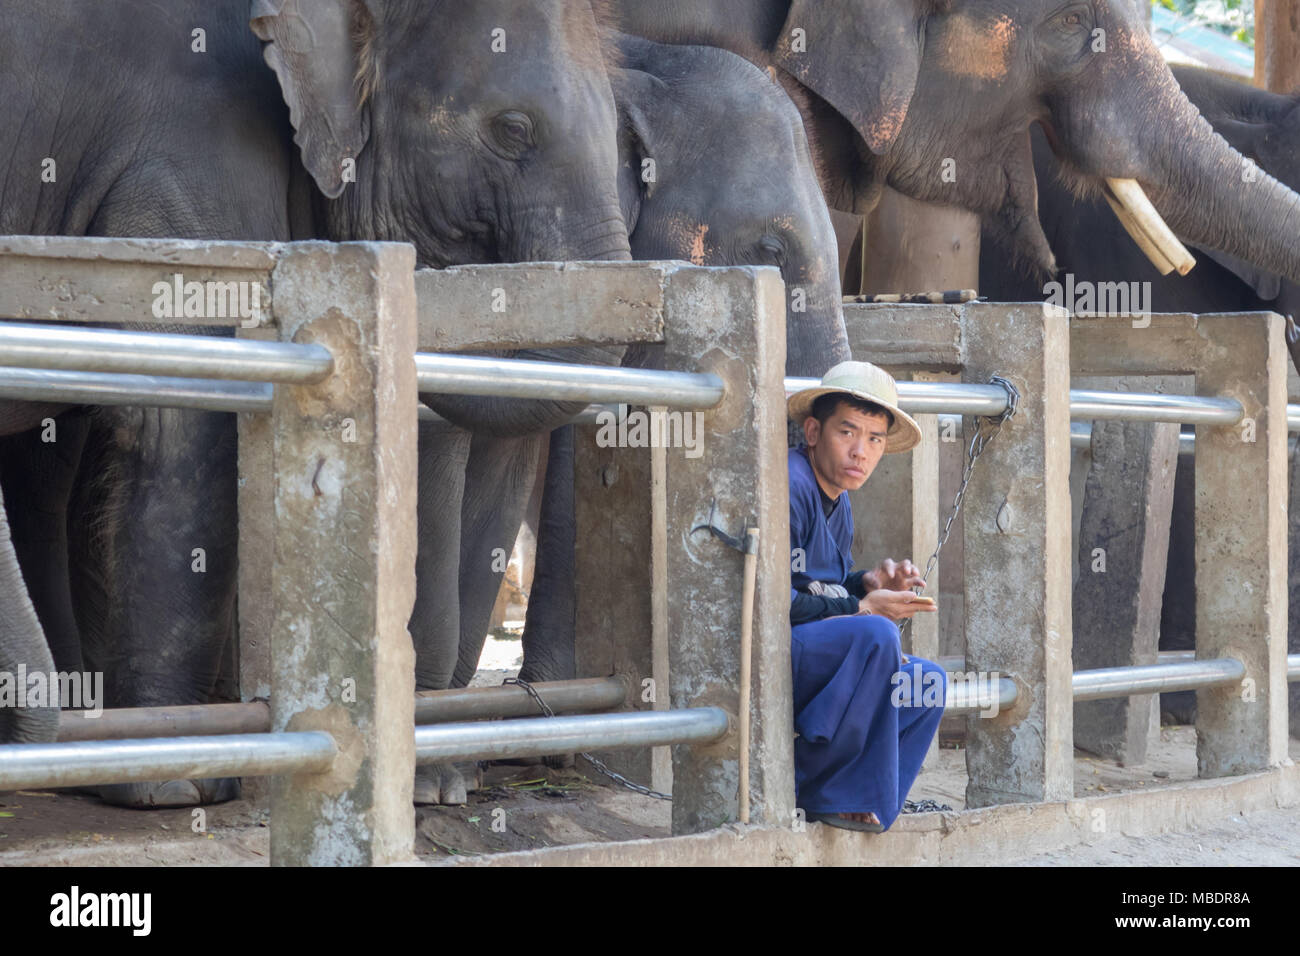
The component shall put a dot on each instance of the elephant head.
(716, 170)
(941, 94)
(479, 132)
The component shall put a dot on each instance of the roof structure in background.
(1183, 41)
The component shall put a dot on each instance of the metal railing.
(1177, 670)
(159, 353)
(503, 739)
(95, 366)
(93, 762)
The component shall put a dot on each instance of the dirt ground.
(528, 807)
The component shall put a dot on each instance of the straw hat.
(871, 383)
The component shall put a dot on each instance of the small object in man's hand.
(928, 601)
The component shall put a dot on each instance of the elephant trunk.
(23, 650)
(815, 336)
(605, 241)
(1209, 193)
(1246, 213)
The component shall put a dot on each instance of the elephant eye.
(772, 250)
(513, 131)
(1071, 20)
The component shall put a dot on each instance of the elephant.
(935, 98)
(24, 648)
(476, 132)
(1090, 243)
(733, 183)
(1265, 128)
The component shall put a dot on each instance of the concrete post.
(255, 606)
(1122, 549)
(730, 322)
(343, 574)
(1018, 556)
(1241, 546)
(1293, 586)
(615, 564)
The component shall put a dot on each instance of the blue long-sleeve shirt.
(821, 540)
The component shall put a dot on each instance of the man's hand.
(890, 576)
(895, 605)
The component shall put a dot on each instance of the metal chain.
(925, 806)
(612, 774)
(986, 430)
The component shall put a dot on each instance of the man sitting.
(861, 743)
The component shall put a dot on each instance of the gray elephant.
(1090, 244)
(732, 182)
(935, 98)
(477, 132)
(24, 649)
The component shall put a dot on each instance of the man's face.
(845, 451)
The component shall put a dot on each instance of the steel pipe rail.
(159, 353)
(1172, 657)
(973, 697)
(1142, 407)
(478, 703)
(1108, 682)
(1081, 437)
(106, 388)
(535, 738)
(947, 398)
(932, 398)
(555, 381)
(188, 720)
(254, 717)
(85, 763)
(154, 391)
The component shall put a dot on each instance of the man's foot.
(849, 821)
(859, 817)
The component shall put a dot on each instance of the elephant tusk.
(1148, 230)
(1163, 265)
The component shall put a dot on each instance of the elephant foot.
(170, 793)
(1178, 707)
(443, 784)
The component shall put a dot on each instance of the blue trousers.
(864, 722)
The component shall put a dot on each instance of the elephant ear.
(638, 96)
(860, 56)
(312, 47)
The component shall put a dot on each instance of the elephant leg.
(22, 644)
(154, 570)
(498, 483)
(38, 469)
(549, 625)
(435, 620)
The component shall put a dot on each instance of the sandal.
(835, 820)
